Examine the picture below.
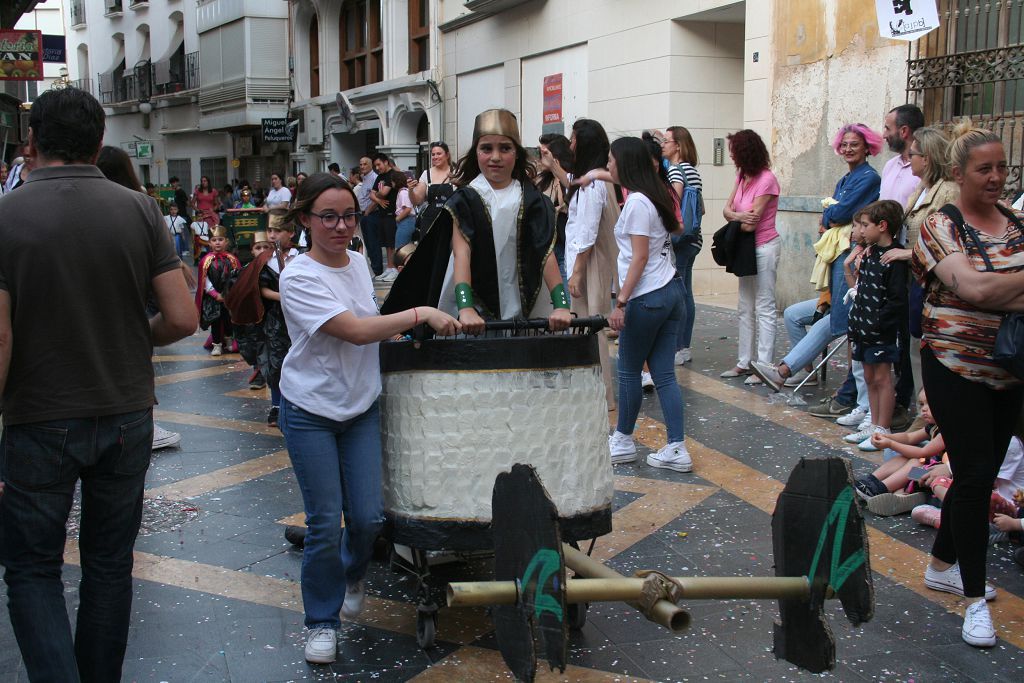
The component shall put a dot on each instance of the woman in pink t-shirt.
(754, 202)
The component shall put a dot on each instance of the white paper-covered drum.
(456, 413)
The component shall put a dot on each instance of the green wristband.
(463, 296)
(559, 299)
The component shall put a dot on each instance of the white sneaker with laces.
(389, 275)
(866, 444)
(322, 645)
(977, 629)
(163, 438)
(858, 436)
(622, 447)
(852, 418)
(865, 423)
(646, 381)
(950, 581)
(683, 356)
(673, 456)
(217, 350)
(355, 598)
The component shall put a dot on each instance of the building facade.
(185, 85)
(366, 78)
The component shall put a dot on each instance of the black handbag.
(1008, 351)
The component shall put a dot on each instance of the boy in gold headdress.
(489, 253)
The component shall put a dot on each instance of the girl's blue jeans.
(686, 251)
(338, 466)
(649, 334)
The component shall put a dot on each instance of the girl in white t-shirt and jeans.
(330, 381)
(649, 307)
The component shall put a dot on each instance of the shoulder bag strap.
(967, 231)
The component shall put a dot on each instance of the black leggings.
(222, 327)
(976, 423)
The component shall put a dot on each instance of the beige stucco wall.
(830, 67)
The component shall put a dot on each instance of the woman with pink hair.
(854, 142)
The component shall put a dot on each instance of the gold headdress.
(259, 236)
(219, 231)
(277, 221)
(497, 122)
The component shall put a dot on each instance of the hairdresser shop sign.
(906, 19)
(21, 55)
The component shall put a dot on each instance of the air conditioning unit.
(314, 125)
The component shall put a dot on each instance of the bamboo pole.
(627, 589)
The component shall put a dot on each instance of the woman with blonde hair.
(970, 260)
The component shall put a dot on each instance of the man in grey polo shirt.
(77, 383)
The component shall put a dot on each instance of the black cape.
(420, 282)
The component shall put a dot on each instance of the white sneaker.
(977, 629)
(389, 275)
(794, 380)
(163, 438)
(852, 418)
(866, 444)
(950, 581)
(683, 356)
(767, 373)
(322, 645)
(860, 435)
(646, 381)
(622, 447)
(217, 350)
(355, 598)
(865, 423)
(673, 456)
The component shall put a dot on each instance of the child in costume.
(214, 269)
(275, 331)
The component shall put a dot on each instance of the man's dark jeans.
(370, 226)
(40, 464)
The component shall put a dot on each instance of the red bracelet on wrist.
(417, 314)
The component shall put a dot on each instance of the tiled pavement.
(217, 599)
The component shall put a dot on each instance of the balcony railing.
(77, 12)
(180, 73)
(83, 84)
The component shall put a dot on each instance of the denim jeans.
(652, 321)
(846, 394)
(40, 464)
(370, 227)
(686, 251)
(403, 233)
(338, 466)
(805, 344)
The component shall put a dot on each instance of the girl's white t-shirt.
(1011, 474)
(639, 217)
(323, 374)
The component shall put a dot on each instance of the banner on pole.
(906, 19)
(21, 55)
(553, 105)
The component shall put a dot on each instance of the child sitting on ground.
(880, 487)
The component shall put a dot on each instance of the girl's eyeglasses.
(331, 220)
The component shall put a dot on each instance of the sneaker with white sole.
(794, 380)
(646, 381)
(322, 645)
(866, 445)
(217, 350)
(928, 515)
(355, 598)
(622, 447)
(949, 581)
(858, 436)
(768, 374)
(977, 629)
(683, 356)
(852, 418)
(163, 438)
(673, 456)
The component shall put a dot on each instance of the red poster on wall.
(553, 99)
(21, 55)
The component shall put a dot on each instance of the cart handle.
(591, 324)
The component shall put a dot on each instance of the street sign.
(21, 55)
(55, 49)
(144, 150)
(278, 130)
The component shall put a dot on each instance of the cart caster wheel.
(577, 616)
(426, 629)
